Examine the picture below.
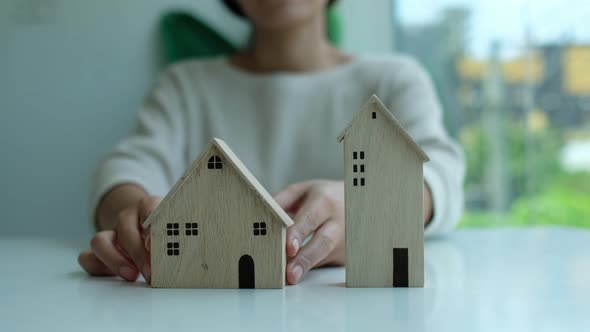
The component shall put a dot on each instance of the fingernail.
(147, 273)
(127, 273)
(296, 246)
(297, 272)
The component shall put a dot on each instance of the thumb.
(146, 205)
(292, 194)
(148, 241)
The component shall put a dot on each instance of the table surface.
(535, 279)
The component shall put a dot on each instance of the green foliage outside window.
(552, 197)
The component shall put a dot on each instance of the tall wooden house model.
(218, 228)
(383, 201)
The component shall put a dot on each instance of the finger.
(130, 239)
(92, 265)
(288, 197)
(312, 214)
(103, 246)
(319, 247)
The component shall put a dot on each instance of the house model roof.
(244, 173)
(378, 105)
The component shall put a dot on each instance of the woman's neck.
(299, 48)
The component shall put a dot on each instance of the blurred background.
(514, 78)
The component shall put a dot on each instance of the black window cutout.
(374, 115)
(362, 153)
(354, 155)
(362, 168)
(259, 229)
(362, 182)
(355, 182)
(173, 248)
(354, 168)
(191, 229)
(214, 163)
(263, 228)
(172, 229)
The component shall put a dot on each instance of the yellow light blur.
(576, 70)
(537, 120)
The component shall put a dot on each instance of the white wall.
(72, 74)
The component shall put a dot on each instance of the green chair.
(184, 36)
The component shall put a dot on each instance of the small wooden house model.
(383, 201)
(218, 228)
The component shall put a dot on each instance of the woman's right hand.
(124, 250)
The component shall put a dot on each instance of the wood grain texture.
(386, 212)
(225, 205)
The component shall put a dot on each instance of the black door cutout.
(246, 272)
(400, 267)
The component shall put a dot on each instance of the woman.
(279, 104)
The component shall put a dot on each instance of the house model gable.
(375, 106)
(240, 168)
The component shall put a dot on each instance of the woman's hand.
(124, 250)
(318, 207)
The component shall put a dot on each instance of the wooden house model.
(383, 169)
(218, 228)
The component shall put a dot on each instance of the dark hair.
(235, 8)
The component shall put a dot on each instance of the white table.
(476, 280)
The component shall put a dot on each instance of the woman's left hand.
(318, 206)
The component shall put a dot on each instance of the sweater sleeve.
(153, 155)
(410, 95)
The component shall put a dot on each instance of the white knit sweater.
(282, 125)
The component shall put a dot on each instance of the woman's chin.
(284, 14)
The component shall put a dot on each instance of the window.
(374, 115)
(215, 163)
(191, 228)
(259, 228)
(358, 165)
(513, 101)
(173, 248)
(172, 229)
